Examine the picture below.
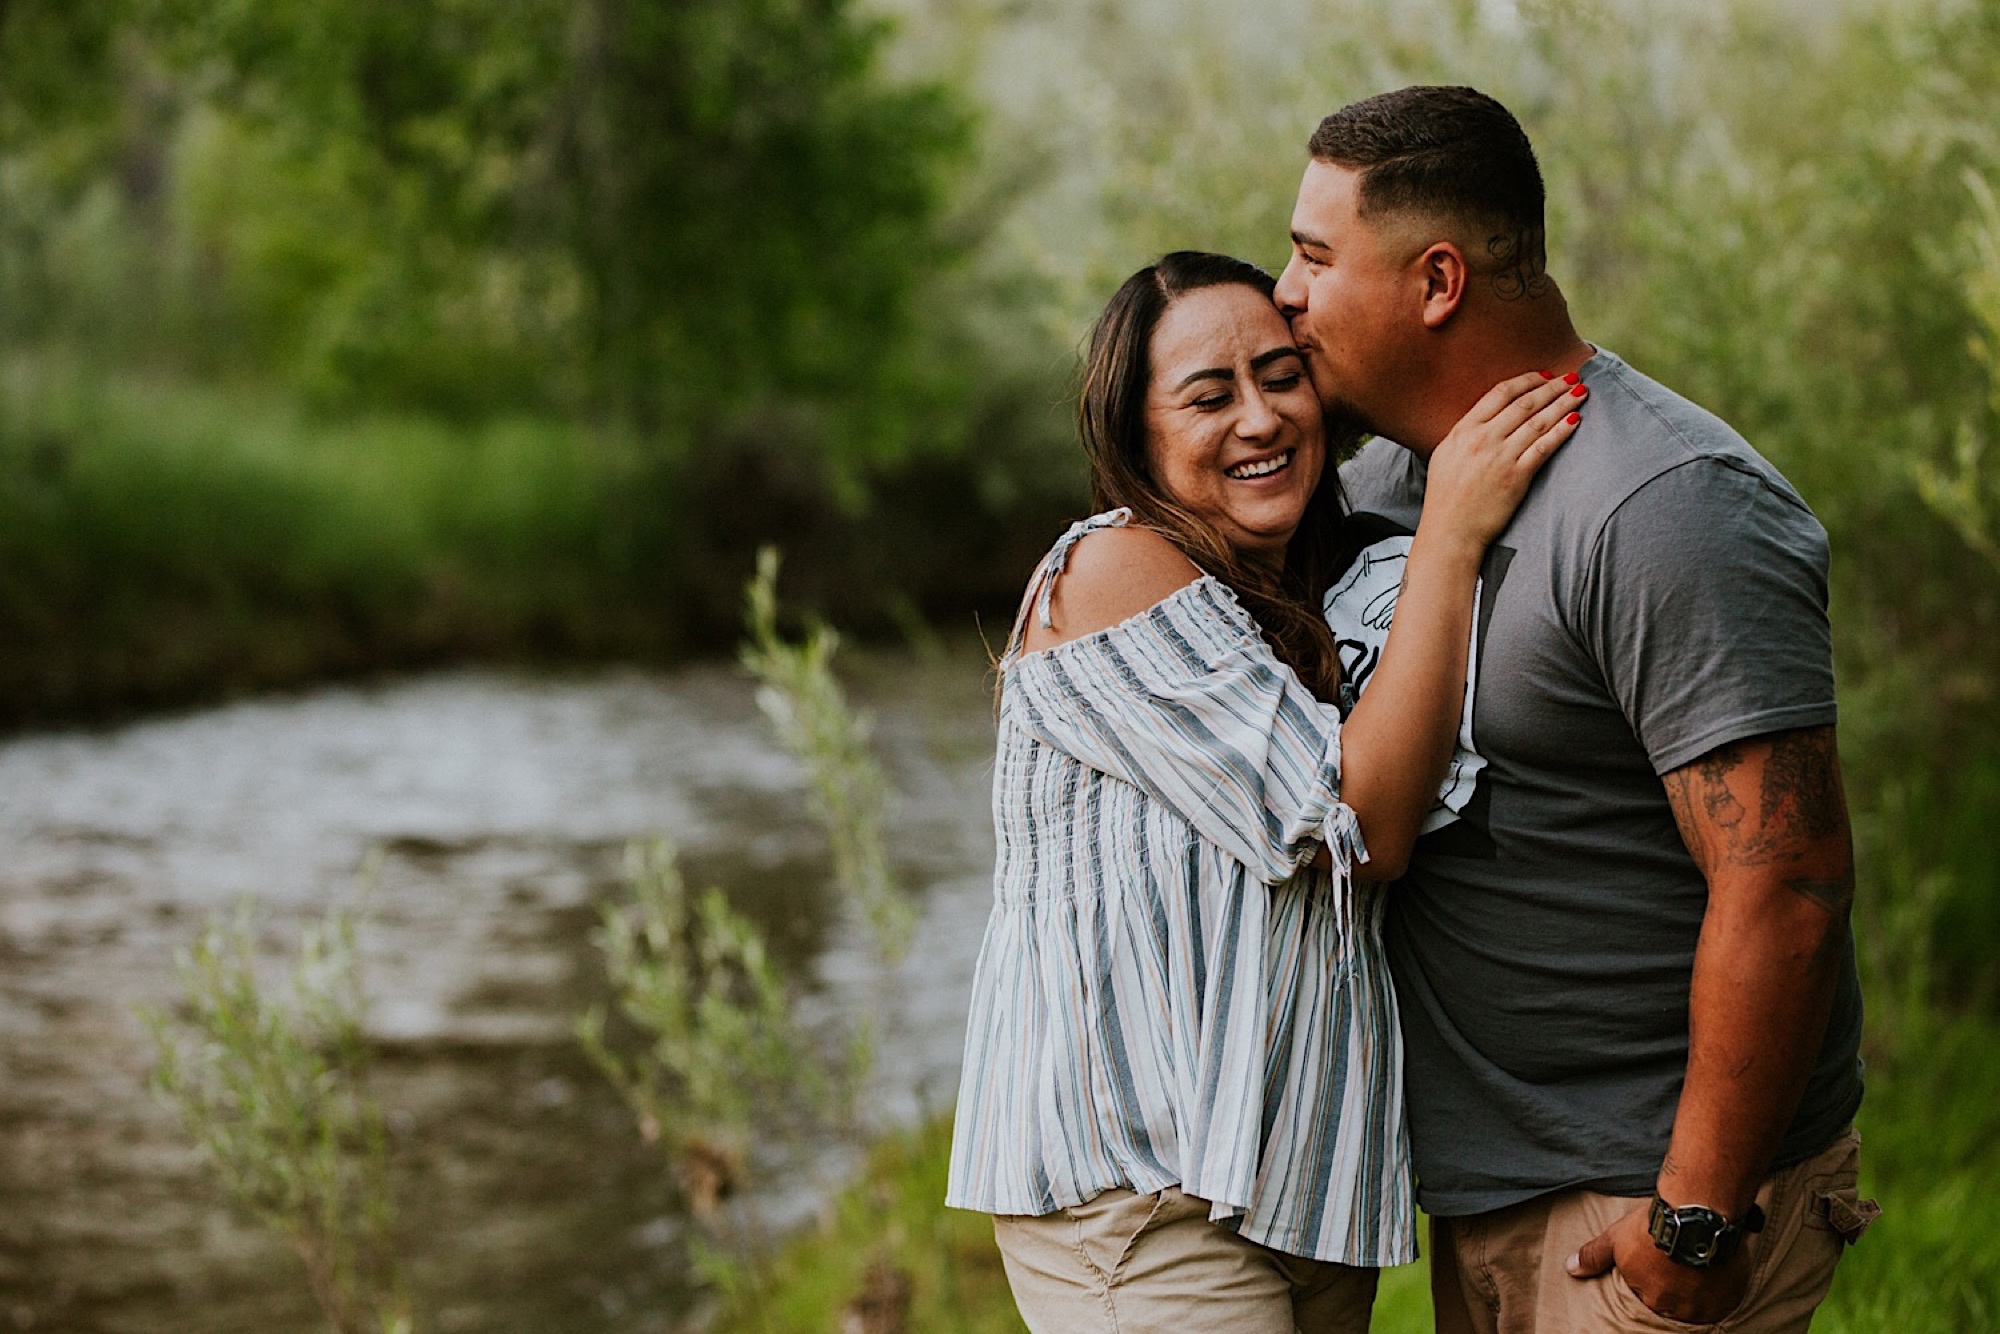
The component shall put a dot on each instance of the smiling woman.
(1181, 1095)
(1172, 380)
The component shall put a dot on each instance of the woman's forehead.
(1217, 326)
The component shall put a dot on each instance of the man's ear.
(1442, 272)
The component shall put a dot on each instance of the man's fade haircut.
(1454, 154)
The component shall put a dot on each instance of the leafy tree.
(672, 216)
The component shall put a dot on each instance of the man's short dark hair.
(1452, 153)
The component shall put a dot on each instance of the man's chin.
(1342, 412)
(1335, 402)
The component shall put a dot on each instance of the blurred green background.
(345, 336)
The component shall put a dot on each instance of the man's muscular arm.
(1766, 822)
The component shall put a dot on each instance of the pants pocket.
(1636, 1315)
(1108, 1226)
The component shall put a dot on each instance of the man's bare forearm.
(1764, 980)
(1767, 824)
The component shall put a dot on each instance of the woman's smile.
(1260, 469)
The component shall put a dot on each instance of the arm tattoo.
(1802, 784)
(1725, 812)
(1679, 801)
(1798, 803)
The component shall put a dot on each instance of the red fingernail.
(1548, 375)
(1579, 391)
(1574, 418)
(1572, 378)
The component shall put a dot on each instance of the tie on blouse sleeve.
(1188, 702)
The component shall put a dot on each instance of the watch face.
(1700, 1229)
(1691, 1235)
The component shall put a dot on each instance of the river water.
(499, 808)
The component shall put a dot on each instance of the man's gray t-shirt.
(1660, 593)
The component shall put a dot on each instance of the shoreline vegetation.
(166, 543)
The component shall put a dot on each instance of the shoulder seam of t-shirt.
(1574, 610)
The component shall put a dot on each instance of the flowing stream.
(497, 809)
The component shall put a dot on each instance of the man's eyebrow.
(1302, 240)
(1257, 363)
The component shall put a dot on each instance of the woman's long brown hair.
(1111, 417)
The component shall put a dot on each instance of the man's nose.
(1291, 290)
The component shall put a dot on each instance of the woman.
(1181, 1096)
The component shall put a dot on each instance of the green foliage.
(805, 704)
(748, 207)
(273, 1087)
(159, 540)
(665, 217)
(723, 1057)
(716, 256)
(723, 1060)
(162, 541)
(1930, 1153)
(1962, 492)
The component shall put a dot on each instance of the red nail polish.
(1574, 418)
(1579, 391)
(1572, 378)
(1548, 375)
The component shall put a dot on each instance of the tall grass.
(805, 704)
(722, 1059)
(272, 1083)
(157, 537)
(722, 1062)
(165, 541)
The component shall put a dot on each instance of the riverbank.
(165, 543)
(1931, 1127)
(478, 819)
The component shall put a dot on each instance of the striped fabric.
(1168, 993)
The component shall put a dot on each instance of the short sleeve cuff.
(1790, 718)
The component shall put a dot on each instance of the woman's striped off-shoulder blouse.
(1169, 993)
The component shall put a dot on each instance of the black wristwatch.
(1696, 1235)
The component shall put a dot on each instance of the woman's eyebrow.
(1212, 373)
(1257, 363)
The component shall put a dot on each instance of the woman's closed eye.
(1284, 382)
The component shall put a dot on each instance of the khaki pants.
(1502, 1272)
(1153, 1264)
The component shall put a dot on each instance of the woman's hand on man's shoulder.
(1113, 574)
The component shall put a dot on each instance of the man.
(1626, 975)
